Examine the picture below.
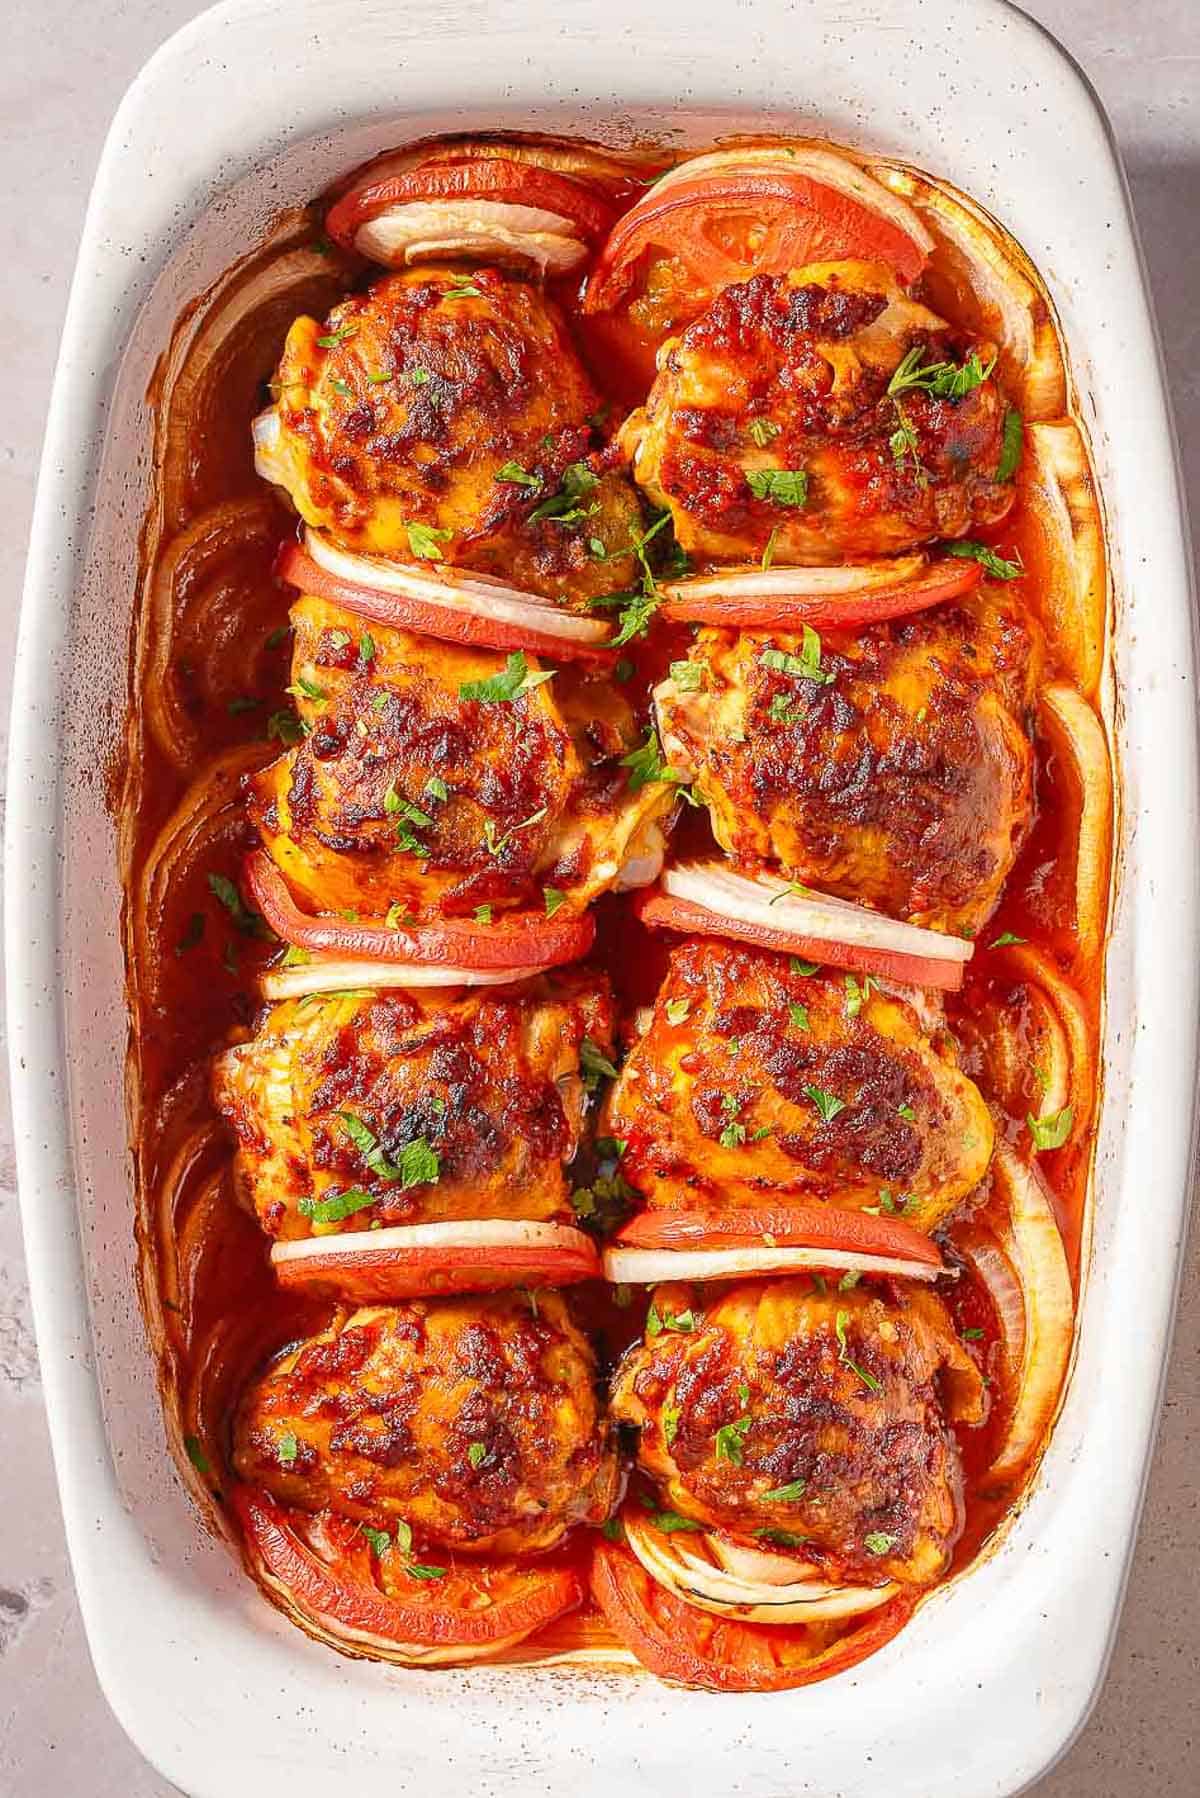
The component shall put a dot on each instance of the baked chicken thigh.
(826, 414)
(890, 765)
(786, 1412)
(443, 416)
(420, 1105)
(475, 1423)
(760, 1079)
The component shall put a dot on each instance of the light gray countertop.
(64, 68)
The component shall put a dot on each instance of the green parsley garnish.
(515, 680)
(567, 505)
(476, 1452)
(782, 486)
(785, 1494)
(763, 431)
(868, 1379)
(192, 935)
(974, 1334)
(797, 966)
(379, 1540)
(688, 676)
(731, 1438)
(247, 921)
(798, 1014)
(196, 1454)
(878, 1542)
(463, 290)
(807, 665)
(646, 765)
(768, 555)
(552, 898)
(513, 475)
(1052, 1130)
(677, 1010)
(683, 1322)
(825, 1103)
(1010, 446)
(497, 845)
(423, 540)
(287, 1448)
(670, 1522)
(483, 914)
(857, 993)
(989, 561)
(594, 1064)
(1005, 938)
(335, 337)
(337, 1207)
(944, 380)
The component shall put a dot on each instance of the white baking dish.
(257, 105)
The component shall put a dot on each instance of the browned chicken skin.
(787, 1409)
(755, 1082)
(901, 776)
(407, 793)
(452, 401)
(473, 1421)
(789, 375)
(488, 1079)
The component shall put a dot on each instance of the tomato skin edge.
(804, 1226)
(463, 178)
(936, 585)
(666, 1648)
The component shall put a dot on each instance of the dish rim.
(48, 1150)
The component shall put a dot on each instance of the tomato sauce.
(209, 677)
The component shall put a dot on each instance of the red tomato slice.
(799, 1226)
(525, 941)
(725, 228)
(719, 1654)
(471, 178)
(446, 623)
(664, 913)
(945, 580)
(474, 1612)
(367, 1272)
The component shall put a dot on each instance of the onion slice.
(443, 603)
(1038, 1353)
(1077, 735)
(647, 1267)
(525, 944)
(693, 1576)
(710, 898)
(826, 597)
(335, 974)
(413, 1260)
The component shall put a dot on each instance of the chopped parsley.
(669, 1522)
(677, 1010)
(1010, 446)
(332, 340)
(768, 555)
(476, 1452)
(247, 921)
(192, 935)
(496, 845)
(338, 1206)
(878, 1542)
(945, 380)
(763, 431)
(423, 540)
(780, 1538)
(437, 789)
(483, 914)
(868, 1379)
(974, 1334)
(515, 680)
(553, 899)
(367, 1144)
(303, 688)
(827, 1105)
(342, 388)
(684, 1322)
(379, 1540)
(513, 475)
(798, 1014)
(688, 676)
(567, 505)
(971, 551)
(857, 993)
(594, 1064)
(196, 1454)
(1052, 1130)
(782, 486)
(463, 289)
(287, 1448)
(646, 765)
(797, 966)
(1005, 938)
(785, 1494)
(806, 665)
(731, 1437)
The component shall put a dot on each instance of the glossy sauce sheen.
(201, 725)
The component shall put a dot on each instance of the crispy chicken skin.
(405, 793)
(902, 778)
(791, 373)
(488, 1077)
(383, 1415)
(817, 1413)
(412, 403)
(754, 1082)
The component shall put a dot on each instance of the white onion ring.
(455, 591)
(466, 1233)
(419, 229)
(335, 975)
(824, 918)
(649, 1267)
(674, 1564)
(796, 583)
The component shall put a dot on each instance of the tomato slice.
(707, 605)
(718, 1654)
(800, 1226)
(497, 178)
(524, 941)
(472, 1613)
(725, 228)
(448, 623)
(365, 1268)
(662, 912)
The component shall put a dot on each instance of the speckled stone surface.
(62, 73)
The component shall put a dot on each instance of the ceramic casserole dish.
(256, 107)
